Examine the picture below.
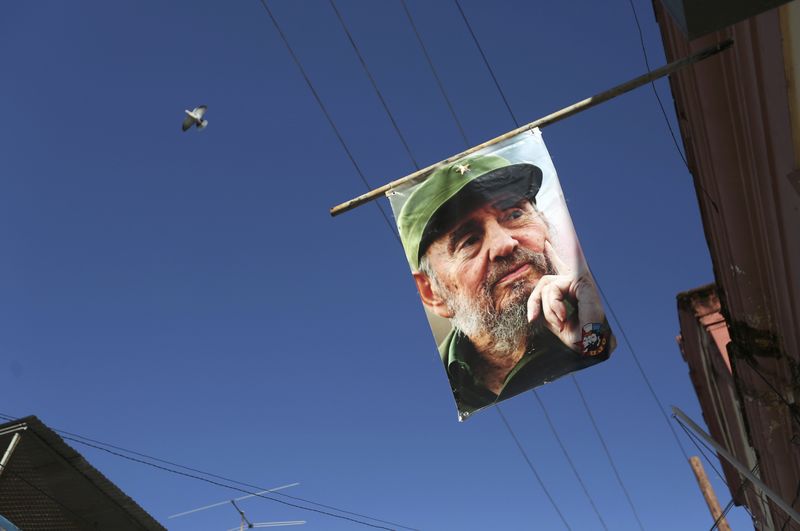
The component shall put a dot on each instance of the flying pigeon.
(195, 117)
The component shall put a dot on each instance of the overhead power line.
(325, 112)
(220, 484)
(607, 452)
(649, 385)
(653, 85)
(692, 437)
(486, 62)
(408, 150)
(730, 505)
(661, 106)
(374, 84)
(792, 409)
(435, 74)
(619, 324)
(95, 443)
(575, 381)
(413, 160)
(344, 145)
(569, 459)
(702, 447)
(531, 467)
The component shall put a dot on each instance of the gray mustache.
(514, 261)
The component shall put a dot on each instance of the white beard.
(507, 326)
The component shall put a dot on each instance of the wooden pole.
(541, 122)
(708, 494)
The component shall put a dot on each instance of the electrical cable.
(695, 439)
(405, 144)
(219, 484)
(722, 515)
(792, 410)
(619, 324)
(326, 113)
(486, 62)
(641, 371)
(209, 474)
(383, 213)
(435, 74)
(396, 127)
(374, 84)
(607, 452)
(611, 310)
(466, 141)
(730, 504)
(757, 494)
(569, 459)
(530, 465)
(653, 85)
(411, 156)
(344, 145)
(605, 299)
(791, 407)
(661, 106)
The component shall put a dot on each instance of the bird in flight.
(195, 117)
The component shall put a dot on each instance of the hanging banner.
(500, 272)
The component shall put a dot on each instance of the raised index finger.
(559, 265)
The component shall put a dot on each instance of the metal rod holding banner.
(743, 470)
(541, 122)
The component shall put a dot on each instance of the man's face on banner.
(482, 271)
(483, 257)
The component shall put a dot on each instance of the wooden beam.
(552, 118)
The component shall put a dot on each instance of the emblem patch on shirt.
(593, 340)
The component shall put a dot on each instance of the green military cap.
(452, 191)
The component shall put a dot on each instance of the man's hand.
(554, 297)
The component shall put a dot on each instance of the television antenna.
(252, 525)
(245, 523)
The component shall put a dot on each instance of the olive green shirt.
(546, 359)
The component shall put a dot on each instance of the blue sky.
(188, 295)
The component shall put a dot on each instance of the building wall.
(736, 122)
(703, 343)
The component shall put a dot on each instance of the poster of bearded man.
(504, 283)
